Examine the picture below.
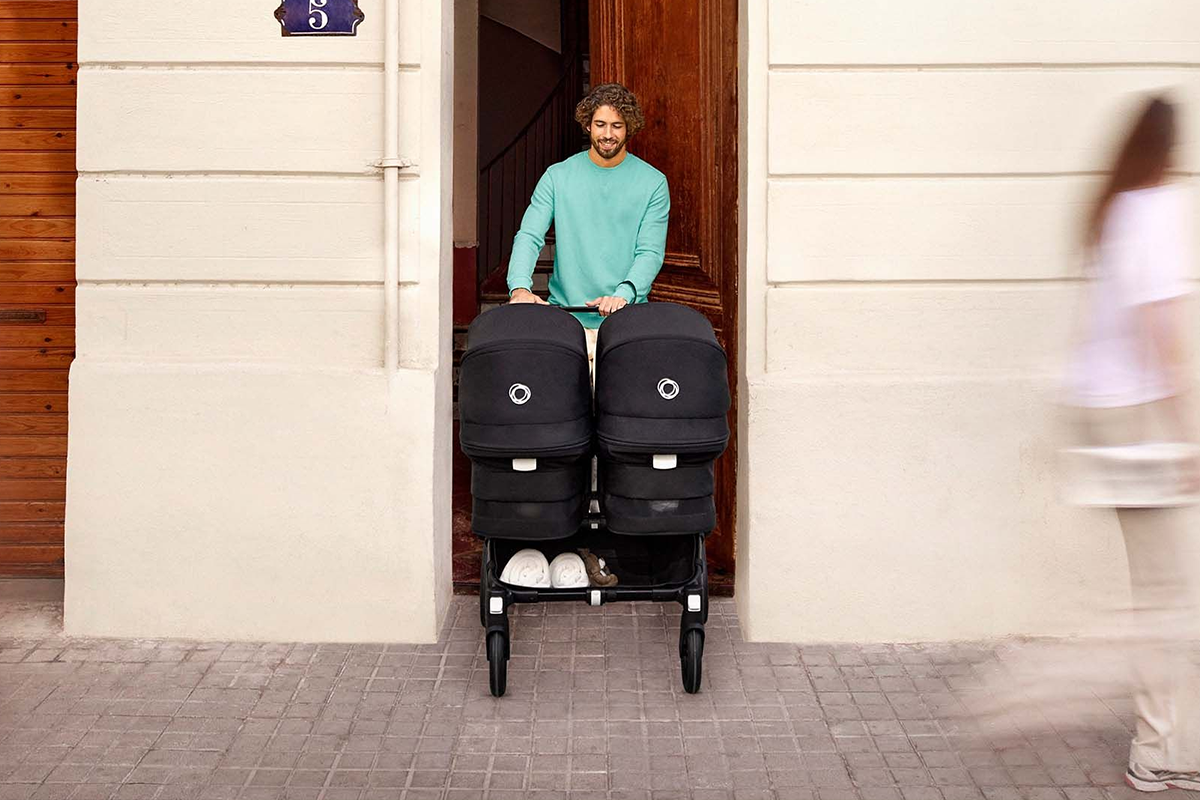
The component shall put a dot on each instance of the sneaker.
(1145, 779)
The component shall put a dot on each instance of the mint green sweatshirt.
(610, 231)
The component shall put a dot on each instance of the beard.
(607, 152)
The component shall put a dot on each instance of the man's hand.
(608, 305)
(525, 296)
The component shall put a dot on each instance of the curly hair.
(617, 96)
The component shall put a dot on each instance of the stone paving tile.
(594, 709)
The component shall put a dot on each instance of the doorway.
(680, 58)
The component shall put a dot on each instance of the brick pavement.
(594, 709)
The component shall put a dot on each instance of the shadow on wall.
(516, 74)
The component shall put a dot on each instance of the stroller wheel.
(497, 662)
(691, 656)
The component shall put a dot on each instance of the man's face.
(607, 132)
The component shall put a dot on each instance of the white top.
(1142, 258)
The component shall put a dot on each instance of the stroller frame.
(495, 597)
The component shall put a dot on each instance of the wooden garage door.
(37, 278)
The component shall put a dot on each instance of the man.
(609, 210)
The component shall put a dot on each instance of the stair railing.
(507, 181)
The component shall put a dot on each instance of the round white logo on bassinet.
(668, 389)
(519, 393)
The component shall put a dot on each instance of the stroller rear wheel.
(691, 657)
(497, 655)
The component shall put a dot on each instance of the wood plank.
(37, 205)
(35, 358)
(31, 570)
(38, 446)
(48, 74)
(31, 533)
(38, 183)
(34, 403)
(57, 271)
(37, 336)
(30, 511)
(37, 139)
(55, 315)
(33, 467)
(37, 228)
(33, 380)
(38, 30)
(24, 424)
(41, 52)
(34, 489)
(40, 160)
(37, 250)
(38, 293)
(54, 118)
(28, 556)
(37, 96)
(39, 9)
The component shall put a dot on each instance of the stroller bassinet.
(661, 403)
(525, 422)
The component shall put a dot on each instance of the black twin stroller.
(657, 423)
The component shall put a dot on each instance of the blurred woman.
(1130, 381)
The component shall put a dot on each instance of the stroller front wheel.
(691, 657)
(497, 657)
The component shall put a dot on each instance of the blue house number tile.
(319, 17)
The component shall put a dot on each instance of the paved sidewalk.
(594, 709)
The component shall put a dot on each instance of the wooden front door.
(680, 58)
(37, 278)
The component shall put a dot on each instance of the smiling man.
(609, 210)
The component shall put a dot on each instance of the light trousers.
(590, 334)
(1164, 575)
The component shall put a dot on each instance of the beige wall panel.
(924, 228)
(214, 228)
(907, 510)
(155, 31)
(238, 120)
(235, 502)
(310, 326)
(921, 330)
(961, 121)
(956, 32)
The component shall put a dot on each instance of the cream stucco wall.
(913, 177)
(240, 465)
